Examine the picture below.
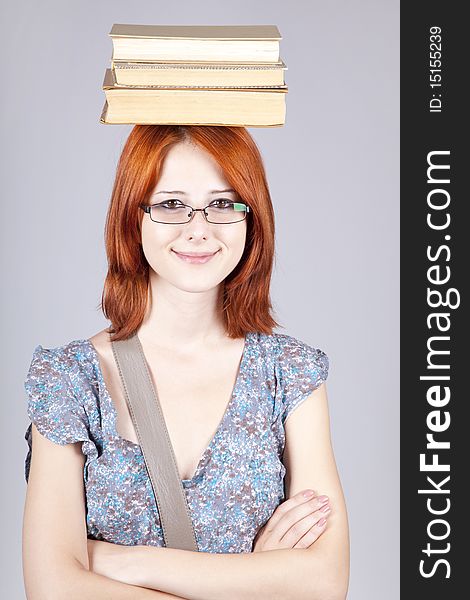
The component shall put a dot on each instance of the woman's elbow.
(332, 582)
(335, 589)
(62, 582)
(340, 593)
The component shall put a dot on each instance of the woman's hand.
(294, 524)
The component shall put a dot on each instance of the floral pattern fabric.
(239, 480)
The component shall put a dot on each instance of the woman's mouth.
(196, 257)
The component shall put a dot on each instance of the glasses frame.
(147, 208)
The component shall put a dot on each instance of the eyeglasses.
(174, 212)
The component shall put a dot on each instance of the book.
(194, 43)
(198, 74)
(243, 107)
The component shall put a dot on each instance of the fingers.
(299, 499)
(295, 511)
(304, 523)
(313, 533)
(294, 518)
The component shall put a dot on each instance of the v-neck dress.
(239, 480)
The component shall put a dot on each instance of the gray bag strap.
(157, 450)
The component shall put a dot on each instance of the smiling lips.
(196, 257)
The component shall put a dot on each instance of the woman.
(190, 245)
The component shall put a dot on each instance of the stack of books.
(195, 75)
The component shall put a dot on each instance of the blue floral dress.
(239, 480)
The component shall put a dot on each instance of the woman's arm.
(310, 463)
(320, 572)
(55, 555)
(77, 583)
(295, 574)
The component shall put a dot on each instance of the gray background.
(336, 283)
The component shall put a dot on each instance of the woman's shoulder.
(61, 380)
(72, 349)
(58, 358)
(62, 396)
(69, 358)
(299, 367)
(287, 348)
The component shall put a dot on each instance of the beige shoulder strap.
(152, 433)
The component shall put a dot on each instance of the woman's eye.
(222, 203)
(172, 204)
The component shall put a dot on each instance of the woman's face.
(190, 169)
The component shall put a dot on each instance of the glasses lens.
(226, 212)
(170, 212)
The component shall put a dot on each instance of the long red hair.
(246, 294)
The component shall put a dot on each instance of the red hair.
(246, 301)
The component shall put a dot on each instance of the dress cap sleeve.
(51, 404)
(301, 369)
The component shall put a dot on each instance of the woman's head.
(195, 160)
(189, 177)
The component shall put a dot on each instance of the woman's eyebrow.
(184, 193)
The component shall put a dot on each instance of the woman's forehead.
(189, 169)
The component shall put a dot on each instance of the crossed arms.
(70, 566)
